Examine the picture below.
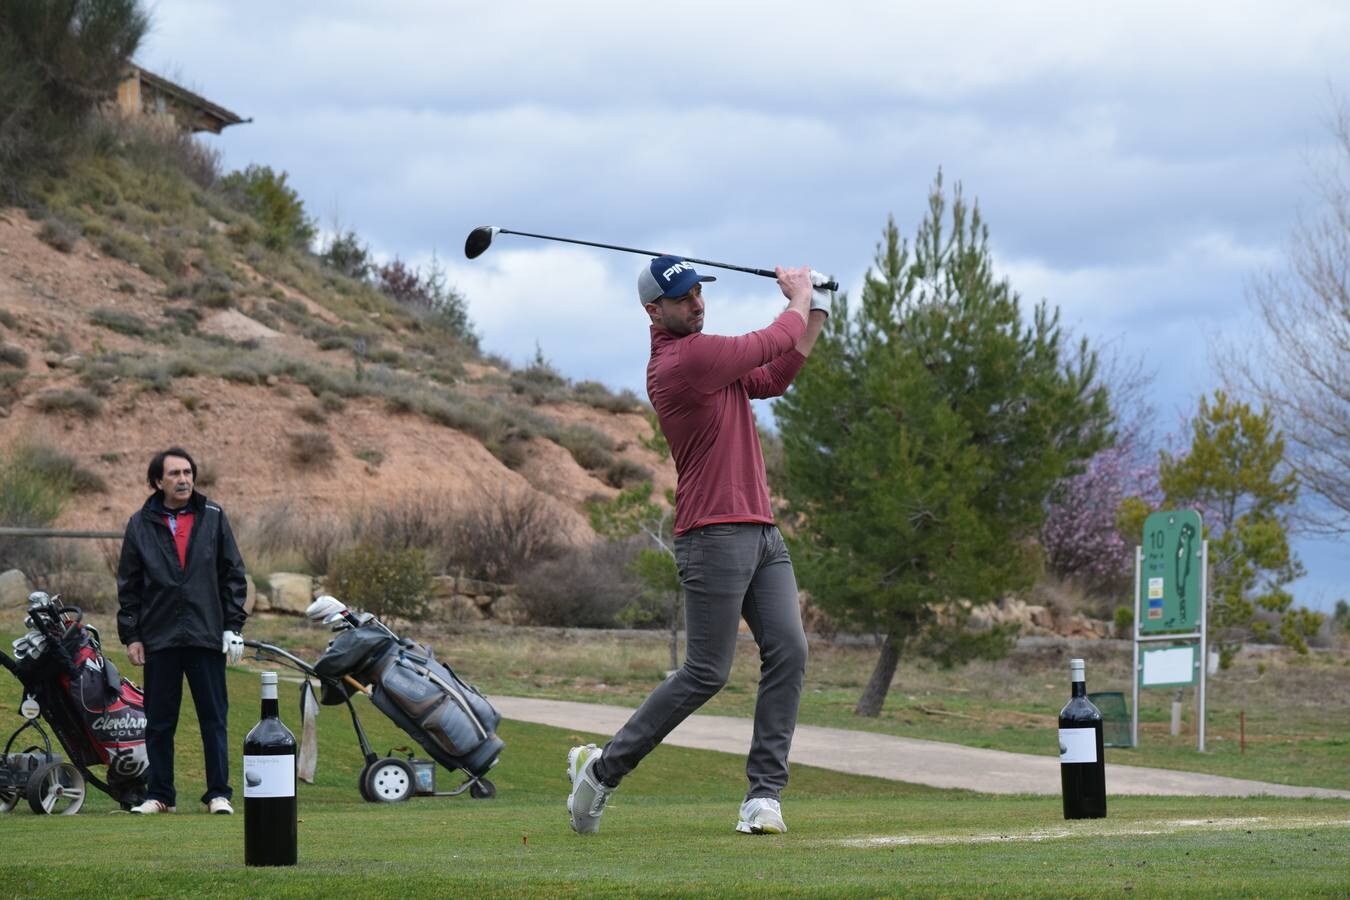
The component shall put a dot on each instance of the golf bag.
(98, 716)
(450, 719)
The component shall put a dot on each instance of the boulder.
(443, 587)
(510, 611)
(456, 609)
(14, 589)
(1041, 617)
(473, 586)
(250, 595)
(292, 592)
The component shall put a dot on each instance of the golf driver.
(481, 238)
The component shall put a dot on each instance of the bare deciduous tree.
(1301, 367)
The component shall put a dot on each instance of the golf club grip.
(767, 273)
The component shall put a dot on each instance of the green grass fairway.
(669, 831)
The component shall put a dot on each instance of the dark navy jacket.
(161, 603)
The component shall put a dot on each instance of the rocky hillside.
(131, 321)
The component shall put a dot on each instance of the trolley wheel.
(9, 798)
(390, 780)
(361, 783)
(482, 789)
(56, 789)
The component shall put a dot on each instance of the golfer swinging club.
(731, 559)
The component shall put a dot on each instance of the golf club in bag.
(448, 718)
(481, 238)
(97, 715)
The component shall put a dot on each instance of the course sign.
(1169, 575)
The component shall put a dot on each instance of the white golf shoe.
(588, 797)
(761, 815)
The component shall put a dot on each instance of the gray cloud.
(1136, 163)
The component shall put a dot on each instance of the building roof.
(183, 95)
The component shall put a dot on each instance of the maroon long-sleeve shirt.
(700, 386)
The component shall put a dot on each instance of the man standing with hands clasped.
(731, 559)
(180, 596)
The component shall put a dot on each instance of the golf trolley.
(450, 720)
(97, 716)
(52, 785)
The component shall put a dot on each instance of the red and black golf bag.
(97, 715)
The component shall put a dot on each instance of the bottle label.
(269, 776)
(1078, 745)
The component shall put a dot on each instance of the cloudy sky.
(1137, 163)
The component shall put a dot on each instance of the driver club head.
(479, 240)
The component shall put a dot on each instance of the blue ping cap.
(668, 276)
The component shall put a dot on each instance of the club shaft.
(767, 273)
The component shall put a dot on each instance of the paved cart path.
(902, 759)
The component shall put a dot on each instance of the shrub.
(623, 472)
(9, 384)
(61, 468)
(347, 255)
(216, 292)
(311, 449)
(429, 295)
(503, 534)
(120, 322)
(589, 588)
(388, 582)
(32, 495)
(58, 235)
(370, 456)
(427, 523)
(278, 208)
(12, 355)
(284, 529)
(175, 263)
(184, 319)
(1124, 621)
(8, 319)
(70, 399)
(59, 343)
(311, 413)
(593, 393)
(589, 447)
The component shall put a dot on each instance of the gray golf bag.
(449, 718)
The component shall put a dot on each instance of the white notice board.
(1168, 667)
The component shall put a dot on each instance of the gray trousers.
(728, 571)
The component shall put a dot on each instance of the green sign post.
(1169, 578)
(1170, 634)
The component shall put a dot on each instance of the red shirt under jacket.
(700, 386)
(182, 530)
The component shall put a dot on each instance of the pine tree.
(923, 438)
(1235, 472)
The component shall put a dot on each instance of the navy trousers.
(205, 672)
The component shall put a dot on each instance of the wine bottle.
(269, 786)
(1082, 767)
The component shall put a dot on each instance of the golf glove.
(233, 646)
(820, 298)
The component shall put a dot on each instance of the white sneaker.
(219, 806)
(151, 807)
(588, 797)
(761, 816)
